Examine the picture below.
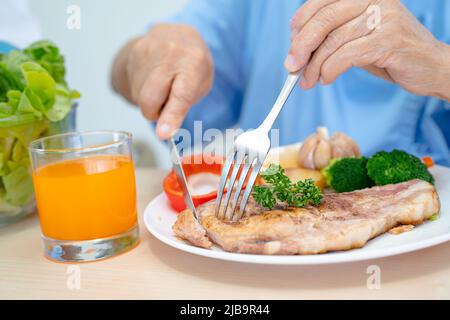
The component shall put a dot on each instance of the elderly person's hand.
(164, 72)
(382, 36)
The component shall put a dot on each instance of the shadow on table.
(28, 222)
(401, 267)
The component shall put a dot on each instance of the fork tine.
(224, 178)
(236, 167)
(248, 189)
(241, 182)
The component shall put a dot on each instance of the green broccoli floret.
(396, 166)
(347, 174)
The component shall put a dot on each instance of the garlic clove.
(322, 154)
(306, 153)
(323, 133)
(309, 153)
(343, 146)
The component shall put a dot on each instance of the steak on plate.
(343, 221)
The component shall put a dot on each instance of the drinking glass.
(85, 194)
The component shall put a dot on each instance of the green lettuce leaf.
(11, 65)
(48, 56)
(40, 83)
(8, 81)
(18, 186)
(34, 97)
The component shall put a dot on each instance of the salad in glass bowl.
(35, 101)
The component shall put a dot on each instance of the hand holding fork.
(249, 152)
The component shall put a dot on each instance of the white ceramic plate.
(159, 218)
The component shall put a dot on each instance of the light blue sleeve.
(222, 25)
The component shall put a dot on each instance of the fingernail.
(165, 130)
(290, 62)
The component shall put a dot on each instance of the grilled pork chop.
(343, 221)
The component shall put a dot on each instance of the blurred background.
(89, 51)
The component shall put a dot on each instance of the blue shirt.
(249, 41)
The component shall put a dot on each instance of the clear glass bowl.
(16, 185)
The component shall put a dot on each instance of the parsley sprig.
(279, 188)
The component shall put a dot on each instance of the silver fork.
(249, 152)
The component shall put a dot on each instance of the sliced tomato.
(428, 161)
(193, 164)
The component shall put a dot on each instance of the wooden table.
(155, 271)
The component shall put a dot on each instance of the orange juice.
(87, 198)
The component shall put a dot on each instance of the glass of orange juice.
(85, 194)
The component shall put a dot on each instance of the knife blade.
(179, 172)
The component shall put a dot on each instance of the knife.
(179, 172)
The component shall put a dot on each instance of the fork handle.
(289, 85)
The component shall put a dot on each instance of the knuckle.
(185, 85)
(170, 48)
(326, 15)
(198, 54)
(164, 50)
(300, 44)
(332, 41)
(139, 48)
(184, 96)
(299, 16)
(307, 7)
